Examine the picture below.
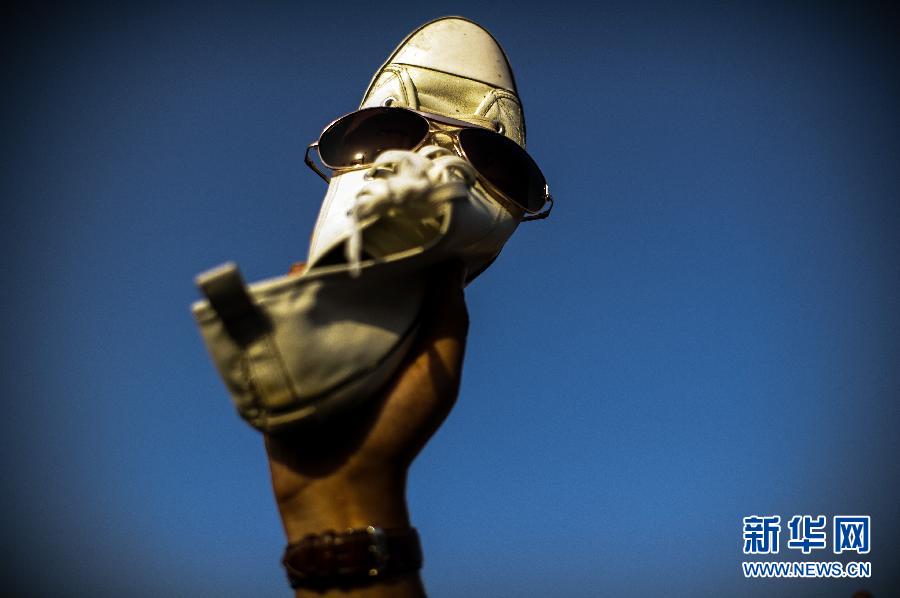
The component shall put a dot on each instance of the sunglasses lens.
(506, 165)
(359, 137)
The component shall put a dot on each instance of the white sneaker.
(302, 348)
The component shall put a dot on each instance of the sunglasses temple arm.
(541, 215)
(312, 164)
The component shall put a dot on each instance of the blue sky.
(708, 327)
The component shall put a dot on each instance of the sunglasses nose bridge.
(442, 139)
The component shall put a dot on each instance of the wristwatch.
(351, 558)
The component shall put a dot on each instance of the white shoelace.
(400, 187)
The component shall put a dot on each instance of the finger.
(444, 313)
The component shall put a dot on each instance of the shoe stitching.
(279, 359)
(457, 75)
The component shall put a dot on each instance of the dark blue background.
(707, 328)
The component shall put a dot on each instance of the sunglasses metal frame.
(459, 125)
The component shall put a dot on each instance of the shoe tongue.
(452, 67)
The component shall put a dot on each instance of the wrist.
(322, 496)
(365, 562)
(341, 502)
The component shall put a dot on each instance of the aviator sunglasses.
(355, 140)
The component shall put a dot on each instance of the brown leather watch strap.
(351, 558)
